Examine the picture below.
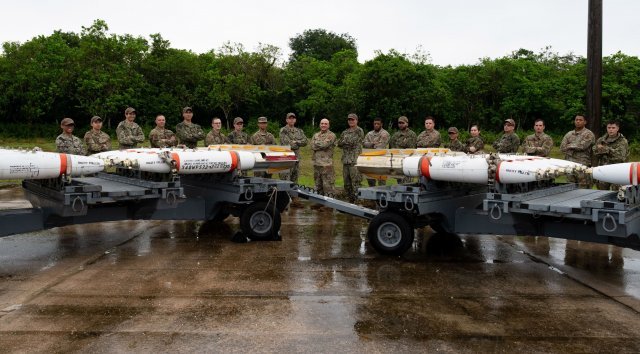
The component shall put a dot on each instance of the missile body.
(270, 158)
(627, 173)
(184, 161)
(16, 164)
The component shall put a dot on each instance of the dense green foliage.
(98, 73)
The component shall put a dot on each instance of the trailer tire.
(260, 221)
(390, 233)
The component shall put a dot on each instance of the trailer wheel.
(390, 233)
(260, 221)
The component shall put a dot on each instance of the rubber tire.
(390, 234)
(266, 221)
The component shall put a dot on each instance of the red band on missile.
(425, 162)
(637, 174)
(234, 160)
(176, 158)
(498, 171)
(63, 163)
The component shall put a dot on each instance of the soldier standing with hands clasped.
(351, 144)
(295, 138)
(262, 137)
(577, 145)
(67, 142)
(129, 133)
(189, 133)
(215, 136)
(609, 149)
(378, 138)
(97, 140)
(509, 141)
(237, 136)
(160, 137)
(430, 137)
(322, 145)
(538, 143)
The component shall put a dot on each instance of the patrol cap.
(453, 130)
(352, 116)
(262, 119)
(291, 114)
(403, 119)
(129, 110)
(510, 121)
(67, 121)
(237, 120)
(187, 109)
(96, 119)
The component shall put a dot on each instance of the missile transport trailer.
(134, 195)
(539, 208)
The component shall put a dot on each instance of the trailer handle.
(495, 208)
(612, 220)
(408, 203)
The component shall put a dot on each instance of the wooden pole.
(594, 67)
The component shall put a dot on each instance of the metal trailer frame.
(133, 195)
(529, 209)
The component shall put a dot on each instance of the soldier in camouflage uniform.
(160, 137)
(609, 149)
(189, 133)
(454, 144)
(237, 136)
(351, 144)
(95, 139)
(378, 138)
(577, 147)
(322, 145)
(215, 136)
(67, 142)
(129, 133)
(404, 138)
(430, 137)
(509, 141)
(475, 144)
(262, 137)
(539, 143)
(294, 137)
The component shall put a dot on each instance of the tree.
(320, 44)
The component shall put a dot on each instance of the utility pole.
(594, 67)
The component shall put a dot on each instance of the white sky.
(452, 31)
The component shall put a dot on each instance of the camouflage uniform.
(322, 145)
(129, 134)
(189, 134)
(97, 141)
(455, 145)
(162, 138)
(351, 144)
(507, 144)
(295, 138)
(476, 142)
(403, 139)
(608, 151)
(376, 140)
(576, 146)
(428, 139)
(214, 138)
(537, 144)
(262, 138)
(238, 137)
(70, 144)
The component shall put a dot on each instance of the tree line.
(95, 72)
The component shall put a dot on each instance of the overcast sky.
(452, 32)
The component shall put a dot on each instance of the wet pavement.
(158, 286)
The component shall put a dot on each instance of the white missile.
(627, 173)
(184, 161)
(270, 158)
(388, 162)
(16, 164)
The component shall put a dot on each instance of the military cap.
(262, 119)
(187, 109)
(67, 121)
(129, 110)
(291, 114)
(510, 121)
(96, 119)
(453, 130)
(237, 120)
(352, 116)
(403, 119)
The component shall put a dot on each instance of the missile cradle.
(16, 164)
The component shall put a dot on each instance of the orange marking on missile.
(176, 158)
(63, 163)
(425, 162)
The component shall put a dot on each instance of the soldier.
(509, 141)
(237, 136)
(97, 140)
(609, 149)
(475, 144)
(576, 146)
(430, 137)
(378, 138)
(67, 142)
(454, 144)
(294, 137)
(262, 137)
(322, 145)
(129, 133)
(215, 136)
(539, 143)
(404, 138)
(160, 137)
(188, 132)
(351, 144)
